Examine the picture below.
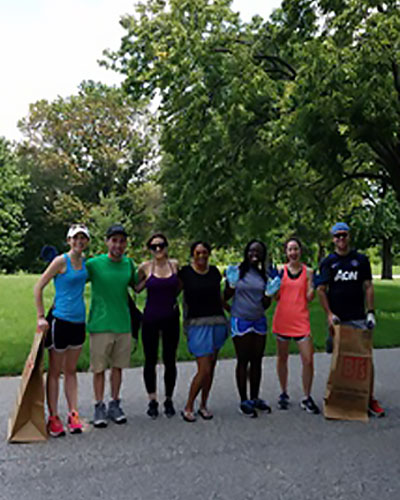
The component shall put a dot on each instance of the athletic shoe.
(260, 404)
(375, 409)
(309, 405)
(115, 412)
(283, 401)
(169, 409)
(100, 415)
(247, 408)
(74, 423)
(55, 427)
(152, 410)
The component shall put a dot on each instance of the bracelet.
(40, 316)
(371, 311)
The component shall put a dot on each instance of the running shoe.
(100, 415)
(309, 406)
(283, 401)
(247, 408)
(55, 427)
(375, 409)
(115, 412)
(169, 409)
(74, 423)
(152, 410)
(260, 404)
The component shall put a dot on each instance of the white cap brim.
(73, 231)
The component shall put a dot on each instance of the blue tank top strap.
(67, 261)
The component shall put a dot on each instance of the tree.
(266, 120)
(14, 188)
(78, 151)
(218, 106)
(377, 223)
(345, 101)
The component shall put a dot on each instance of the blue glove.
(232, 275)
(272, 286)
(273, 272)
(48, 253)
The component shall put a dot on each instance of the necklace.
(199, 271)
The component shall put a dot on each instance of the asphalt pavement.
(285, 455)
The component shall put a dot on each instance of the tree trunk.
(387, 259)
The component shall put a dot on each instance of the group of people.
(344, 286)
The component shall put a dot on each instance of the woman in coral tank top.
(292, 321)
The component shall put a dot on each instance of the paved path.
(286, 455)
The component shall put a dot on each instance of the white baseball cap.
(76, 229)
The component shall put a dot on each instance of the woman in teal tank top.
(64, 327)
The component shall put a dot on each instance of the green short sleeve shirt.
(109, 310)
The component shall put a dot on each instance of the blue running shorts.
(240, 327)
(204, 340)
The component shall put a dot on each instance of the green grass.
(377, 268)
(18, 321)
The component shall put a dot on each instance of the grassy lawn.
(18, 320)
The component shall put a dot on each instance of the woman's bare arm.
(57, 266)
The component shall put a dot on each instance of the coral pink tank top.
(292, 317)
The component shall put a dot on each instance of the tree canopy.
(14, 188)
(257, 116)
(77, 152)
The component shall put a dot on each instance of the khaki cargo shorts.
(109, 349)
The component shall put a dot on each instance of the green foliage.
(14, 188)
(262, 125)
(346, 97)
(78, 151)
(217, 109)
(378, 218)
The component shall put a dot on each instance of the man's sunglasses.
(340, 236)
(156, 246)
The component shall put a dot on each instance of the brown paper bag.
(348, 388)
(27, 422)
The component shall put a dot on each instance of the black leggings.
(169, 331)
(249, 350)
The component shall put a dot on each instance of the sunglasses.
(156, 246)
(340, 236)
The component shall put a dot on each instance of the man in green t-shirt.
(109, 322)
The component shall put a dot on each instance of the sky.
(47, 47)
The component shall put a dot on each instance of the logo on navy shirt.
(346, 275)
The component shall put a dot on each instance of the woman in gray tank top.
(247, 286)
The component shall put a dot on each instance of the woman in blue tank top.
(160, 318)
(65, 327)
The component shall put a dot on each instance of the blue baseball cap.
(339, 227)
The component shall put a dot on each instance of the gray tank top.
(249, 292)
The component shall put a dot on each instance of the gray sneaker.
(100, 415)
(115, 412)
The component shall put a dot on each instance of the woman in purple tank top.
(160, 318)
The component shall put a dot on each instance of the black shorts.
(63, 335)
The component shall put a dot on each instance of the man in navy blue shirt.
(346, 291)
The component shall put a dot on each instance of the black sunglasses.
(339, 236)
(155, 246)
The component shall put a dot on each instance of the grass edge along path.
(18, 320)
